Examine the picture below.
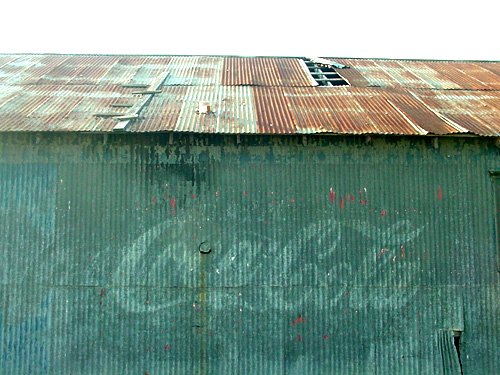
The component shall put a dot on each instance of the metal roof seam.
(441, 116)
(415, 126)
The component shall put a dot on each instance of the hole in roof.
(324, 75)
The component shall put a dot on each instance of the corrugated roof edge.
(265, 135)
(234, 55)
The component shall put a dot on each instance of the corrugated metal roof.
(255, 95)
(476, 111)
(443, 75)
(265, 71)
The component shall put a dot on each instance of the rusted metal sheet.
(334, 256)
(327, 111)
(273, 111)
(369, 70)
(444, 75)
(232, 110)
(475, 111)
(361, 111)
(294, 72)
(61, 108)
(352, 76)
(194, 70)
(163, 111)
(265, 71)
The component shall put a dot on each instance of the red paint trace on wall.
(342, 205)
(326, 337)
(167, 347)
(299, 319)
(332, 195)
(440, 193)
(403, 251)
(383, 213)
(173, 205)
(299, 338)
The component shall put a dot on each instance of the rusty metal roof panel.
(482, 72)
(265, 71)
(232, 110)
(176, 108)
(23, 68)
(325, 110)
(352, 76)
(421, 117)
(433, 73)
(477, 112)
(194, 70)
(273, 112)
(401, 75)
(369, 70)
(163, 111)
(361, 111)
(294, 72)
(466, 75)
(443, 75)
(56, 108)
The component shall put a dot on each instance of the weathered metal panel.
(369, 70)
(444, 75)
(475, 111)
(163, 111)
(66, 108)
(362, 110)
(232, 110)
(265, 71)
(273, 111)
(194, 70)
(334, 256)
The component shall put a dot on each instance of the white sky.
(426, 29)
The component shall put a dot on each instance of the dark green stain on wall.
(327, 256)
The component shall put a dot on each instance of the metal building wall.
(328, 255)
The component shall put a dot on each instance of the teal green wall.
(331, 255)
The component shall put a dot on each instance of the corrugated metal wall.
(327, 256)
